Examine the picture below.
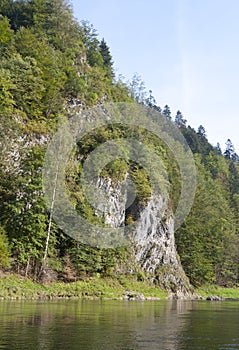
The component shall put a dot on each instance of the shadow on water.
(119, 325)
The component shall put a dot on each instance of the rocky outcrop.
(153, 244)
(214, 298)
(113, 212)
(155, 250)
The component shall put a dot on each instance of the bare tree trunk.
(27, 267)
(44, 262)
(54, 161)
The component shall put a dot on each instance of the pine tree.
(233, 178)
(152, 103)
(107, 58)
(166, 112)
(218, 149)
(201, 131)
(89, 37)
(180, 121)
(230, 150)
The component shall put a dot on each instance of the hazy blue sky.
(186, 51)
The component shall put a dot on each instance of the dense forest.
(48, 62)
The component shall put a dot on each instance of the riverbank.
(221, 292)
(13, 287)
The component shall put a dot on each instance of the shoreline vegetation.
(14, 287)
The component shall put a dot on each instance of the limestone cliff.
(153, 245)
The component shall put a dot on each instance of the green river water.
(119, 325)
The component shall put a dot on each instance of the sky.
(186, 52)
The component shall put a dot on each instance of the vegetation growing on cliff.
(49, 61)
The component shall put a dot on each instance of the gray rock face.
(153, 245)
(113, 211)
(154, 238)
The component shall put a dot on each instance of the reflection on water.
(117, 325)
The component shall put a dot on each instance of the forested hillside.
(48, 63)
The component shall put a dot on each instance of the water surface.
(119, 325)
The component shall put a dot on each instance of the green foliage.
(210, 289)
(196, 141)
(90, 261)
(167, 112)
(6, 34)
(4, 249)
(116, 170)
(180, 121)
(48, 59)
(143, 187)
(6, 97)
(107, 58)
(90, 39)
(130, 283)
(15, 288)
(23, 210)
(22, 84)
(205, 242)
(19, 13)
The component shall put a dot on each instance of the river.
(119, 325)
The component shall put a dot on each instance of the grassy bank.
(207, 290)
(13, 287)
(17, 288)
